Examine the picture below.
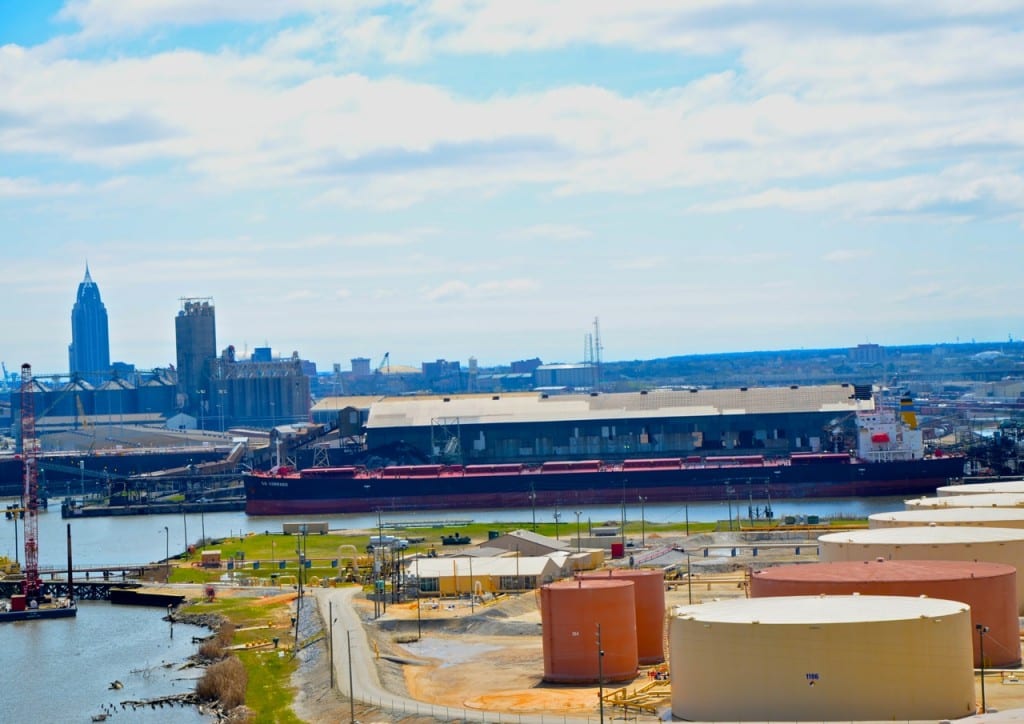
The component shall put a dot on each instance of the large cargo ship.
(889, 460)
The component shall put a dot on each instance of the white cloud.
(550, 232)
(457, 290)
(965, 191)
(28, 187)
(807, 111)
(130, 17)
(844, 256)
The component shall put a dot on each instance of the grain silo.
(649, 590)
(822, 658)
(984, 517)
(981, 500)
(990, 589)
(996, 486)
(932, 543)
(570, 614)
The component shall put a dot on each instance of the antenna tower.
(597, 353)
(29, 449)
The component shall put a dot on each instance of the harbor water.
(65, 667)
(150, 538)
(61, 670)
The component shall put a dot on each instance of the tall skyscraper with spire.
(89, 351)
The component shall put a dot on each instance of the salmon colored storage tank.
(570, 612)
(649, 590)
(930, 543)
(990, 589)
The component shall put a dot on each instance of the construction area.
(442, 650)
(487, 653)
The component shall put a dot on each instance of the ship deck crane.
(32, 586)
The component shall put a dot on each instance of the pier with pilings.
(91, 583)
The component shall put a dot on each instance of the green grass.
(269, 691)
(272, 548)
(269, 694)
(194, 575)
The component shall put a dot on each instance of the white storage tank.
(929, 543)
(984, 517)
(822, 658)
(981, 500)
(989, 589)
(998, 486)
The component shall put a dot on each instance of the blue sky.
(474, 178)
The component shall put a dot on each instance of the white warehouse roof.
(534, 407)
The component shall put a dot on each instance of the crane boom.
(29, 447)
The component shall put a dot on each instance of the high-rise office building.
(89, 351)
(196, 344)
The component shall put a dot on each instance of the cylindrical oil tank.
(932, 543)
(822, 658)
(570, 613)
(984, 517)
(998, 486)
(980, 500)
(649, 590)
(990, 589)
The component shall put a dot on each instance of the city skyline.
(447, 180)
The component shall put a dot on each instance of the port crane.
(32, 586)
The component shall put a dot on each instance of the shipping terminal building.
(537, 426)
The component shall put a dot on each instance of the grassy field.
(273, 557)
(268, 664)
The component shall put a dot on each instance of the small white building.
(459, 575)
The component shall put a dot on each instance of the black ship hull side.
(268, 495)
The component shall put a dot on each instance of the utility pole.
(330, 648)
(351, 690)
(600, 673)
(643, 525)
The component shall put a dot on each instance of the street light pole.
(351, 690)
(558, 517)
(533, 506)
(600, 673)
(578, 514)
(167, 552)
(330, 648)
(689, 580)
(419, 614)
(982, 630)
(643, 530)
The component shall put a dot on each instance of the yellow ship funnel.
(907, 413)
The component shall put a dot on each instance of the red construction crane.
(29, 447)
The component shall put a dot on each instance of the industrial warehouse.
(540, 426)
